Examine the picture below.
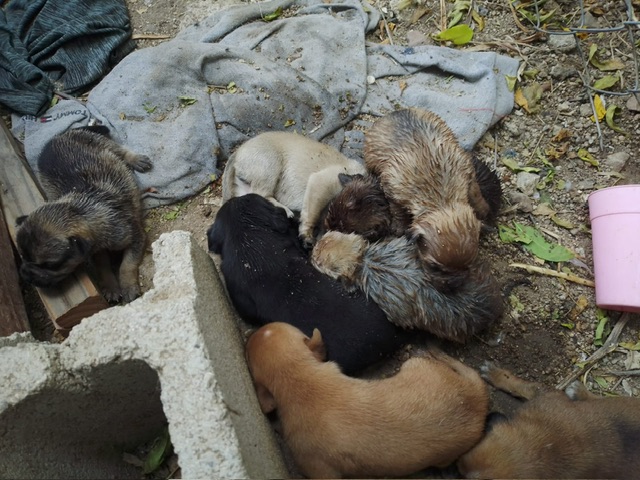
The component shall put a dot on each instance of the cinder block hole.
(80, 427)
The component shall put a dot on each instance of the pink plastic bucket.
(615, 230)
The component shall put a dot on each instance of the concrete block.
(69, 410)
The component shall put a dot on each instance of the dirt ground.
(550, 324)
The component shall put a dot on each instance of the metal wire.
(630, 24)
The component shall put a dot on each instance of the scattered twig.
(144, 36)
(553, 273)
(609, 346)
(443, 15)
(621, 373)
(385, 23)
(517, 20)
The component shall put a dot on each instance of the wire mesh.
(567, 18)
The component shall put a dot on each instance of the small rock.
(617, 161)
(564, 107)
(527, 182)
(512, 129)
(586, 110)
(522, 202)
(633, 104)
(562, 43)
(585, 185)
(416, 38)
(561, 72)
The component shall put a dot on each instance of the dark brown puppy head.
(275, 348)
(448, 238)
(52, 241)
(361, 207)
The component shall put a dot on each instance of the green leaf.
(630, 346)
(606, 82)
(273, 16)
(600, 335)
(538, 246)
(149, 108)
(289, 123)
(231, 88)
(585, 156)
(608, 117)
(569, 325)
(459, 34)
(561, 222)
(184, 101)
(602, 383)
(510, 235)
(514, 166)
(159, 450)
(511, 82)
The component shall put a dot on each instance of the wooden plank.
(77, 297)
(13, 315)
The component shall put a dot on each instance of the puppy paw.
(288, 211)
(111, 295)
(486, 368)
(577, 391)
(130, 294)
(141, 163)
(305, 234)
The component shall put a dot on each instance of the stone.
(562, 43)
(617, 161)
(527, 182)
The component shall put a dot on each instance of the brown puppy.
(558, 435)
(428, 414)
(423, 168)
(362, 207)
(390, 273)
(292, 171)
(94, 207)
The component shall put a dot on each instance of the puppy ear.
(316, 345)
(345, 178)
(265, 398)
(20, 220)
(81, 245)
(215, 237)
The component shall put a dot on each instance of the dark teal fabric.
(62, 45)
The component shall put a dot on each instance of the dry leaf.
(563, 134)
(600, 108)
(521, 100)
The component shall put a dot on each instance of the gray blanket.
(188, 102)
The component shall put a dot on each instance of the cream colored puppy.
(428, 414)
(292, 171)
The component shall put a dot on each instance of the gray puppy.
(292, 171)
(391, 274)
(94, 208)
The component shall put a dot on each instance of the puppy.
(558, 435)
(362, 207)
(292, 171)
(423, 168)
(428, 414)
(269, 278)
(94, 207)
(392, 275)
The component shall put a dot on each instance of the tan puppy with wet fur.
(423, 168)
(292, 171)
(428, 414)
(555, 434)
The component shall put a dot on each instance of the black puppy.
(270, 279)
